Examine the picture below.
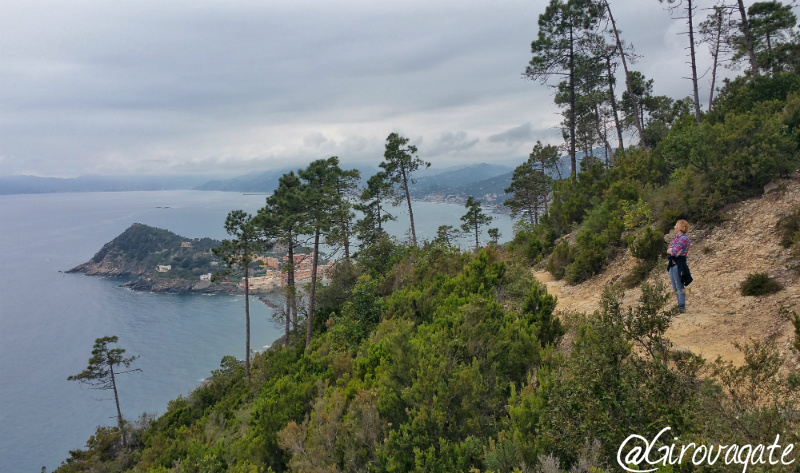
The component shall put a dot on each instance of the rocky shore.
(181, 286)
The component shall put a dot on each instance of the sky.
(226, 88)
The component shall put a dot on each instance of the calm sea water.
(49, 320)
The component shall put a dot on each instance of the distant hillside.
(430, 181)
(46, 185)
(265, 182)
(262, 182)
(445, 181)
(490, 182)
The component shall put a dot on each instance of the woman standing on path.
(679, 274)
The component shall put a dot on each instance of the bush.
(743, 93)
(532, 241)
(789, 226)
(760, 284)
(561, 257)
(590, 257)
(687, 196)
(648, 245)
(573, 197)
(641, 166)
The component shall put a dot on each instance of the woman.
(679, 274)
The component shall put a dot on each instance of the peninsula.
(159, 260)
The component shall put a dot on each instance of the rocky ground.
(720, 259)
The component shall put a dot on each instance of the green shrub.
(590, 257)
(743, 93)
(533, 242)
(687, 196)
(759, 284)
(572, 198)
(641, 166)
(789, 226)
(561, 257)
(648, 244)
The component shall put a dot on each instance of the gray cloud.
(91, 86)
(523, 132)
(314, 139)
(453, 142)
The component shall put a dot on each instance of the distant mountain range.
(46, 185)
(431, 181)
(456, 182)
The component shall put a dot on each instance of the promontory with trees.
(419, 356)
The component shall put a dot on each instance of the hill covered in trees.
(141, 249)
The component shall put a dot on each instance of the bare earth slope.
(720, 259)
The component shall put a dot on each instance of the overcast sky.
(221, 87)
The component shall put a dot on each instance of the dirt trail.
(720, 259)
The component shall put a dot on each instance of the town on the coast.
(266, 273)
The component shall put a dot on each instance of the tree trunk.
(614, 103)
(346, 228)
(748, 38)
(410, 212)
(635, 104)
(689, 16)
(531, 210)
(603, 134)
(288, 317)
(290, 289)
(477, 244)
(116, 400)
(546, 193)
(247, 320)
(717, 46)
(380, 225)
(310, 321)
(572, 158)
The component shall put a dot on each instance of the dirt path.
(717, 314)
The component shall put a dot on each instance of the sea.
(49, 320)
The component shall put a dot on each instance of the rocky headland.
(161, 261)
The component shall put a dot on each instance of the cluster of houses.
(274, 277)
(271, 276)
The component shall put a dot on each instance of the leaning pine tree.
(399, 165)
(100, 372)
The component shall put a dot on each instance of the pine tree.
(562, 28)
(400, 164)
(283, 220)
(100, 372)
(529, 186)
(322, 201)
(474, 219)
(370, 227)
(238, 254)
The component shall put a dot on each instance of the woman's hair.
(683, 226)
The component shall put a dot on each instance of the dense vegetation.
(421, 357)
(140, 248)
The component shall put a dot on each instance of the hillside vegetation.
(139, 249)
(420, 357)
(431, 359)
